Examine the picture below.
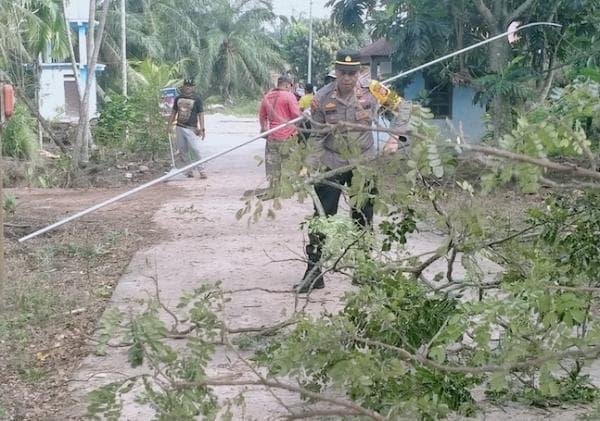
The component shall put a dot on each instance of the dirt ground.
(182, 233)
(58, 286)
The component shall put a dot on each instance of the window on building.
(439, 97)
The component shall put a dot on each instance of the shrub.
(19, 139)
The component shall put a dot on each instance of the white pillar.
(82, 33)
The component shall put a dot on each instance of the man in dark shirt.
(189, 113)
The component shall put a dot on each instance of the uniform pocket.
(363, 117)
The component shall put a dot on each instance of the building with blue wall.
(452, 106)
(58, 92)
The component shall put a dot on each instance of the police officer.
(342, 100)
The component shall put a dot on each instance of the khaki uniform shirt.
(341, 145)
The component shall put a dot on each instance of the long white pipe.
(156, 181)
(296, 120)
(470, 47)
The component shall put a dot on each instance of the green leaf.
(438, 171)
(498, 382)
(135, 355)
(438, 354)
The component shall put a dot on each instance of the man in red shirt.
(278, 106)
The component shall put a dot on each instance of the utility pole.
(123, 49)
(310, 37)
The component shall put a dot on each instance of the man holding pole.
(343, 100)
(278, 106)
(189, 113)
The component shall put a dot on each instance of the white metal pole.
(310, 40)
(156, 181)
(470, 47)
(296, 120)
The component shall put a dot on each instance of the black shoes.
(312, 279)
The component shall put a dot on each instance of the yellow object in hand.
(384, 95)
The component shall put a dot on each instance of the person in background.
(304, 103)
(329, 78)
(309, 94)
(278, 106)
(188, 111)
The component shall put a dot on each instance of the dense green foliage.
(506, 76)
(415, 338)
(137, 123)
(392, 310)
(18, 136)
(224, 44)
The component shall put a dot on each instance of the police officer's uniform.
(338, 148)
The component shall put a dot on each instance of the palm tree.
(29, 27)
(223, 42)
(237, 55)
(351, 14)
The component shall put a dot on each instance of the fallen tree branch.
(276, 384)
(492, 151)
(525, 364)
(255, 371)
(322, 413)
(263, 330)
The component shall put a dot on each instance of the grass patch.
(86, 251)
(30, 374)
(27, 309)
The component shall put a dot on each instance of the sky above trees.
(295, 8)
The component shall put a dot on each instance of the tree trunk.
(501, 109)
(497, 17)
(81, 148)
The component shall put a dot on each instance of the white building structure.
(58, 96)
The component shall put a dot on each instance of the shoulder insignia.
(314, 104)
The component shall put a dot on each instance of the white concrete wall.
(78, 10)
(52, 95)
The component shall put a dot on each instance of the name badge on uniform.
(330, 106)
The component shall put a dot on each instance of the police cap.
(347, 60)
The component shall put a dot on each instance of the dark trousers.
(330, 197)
